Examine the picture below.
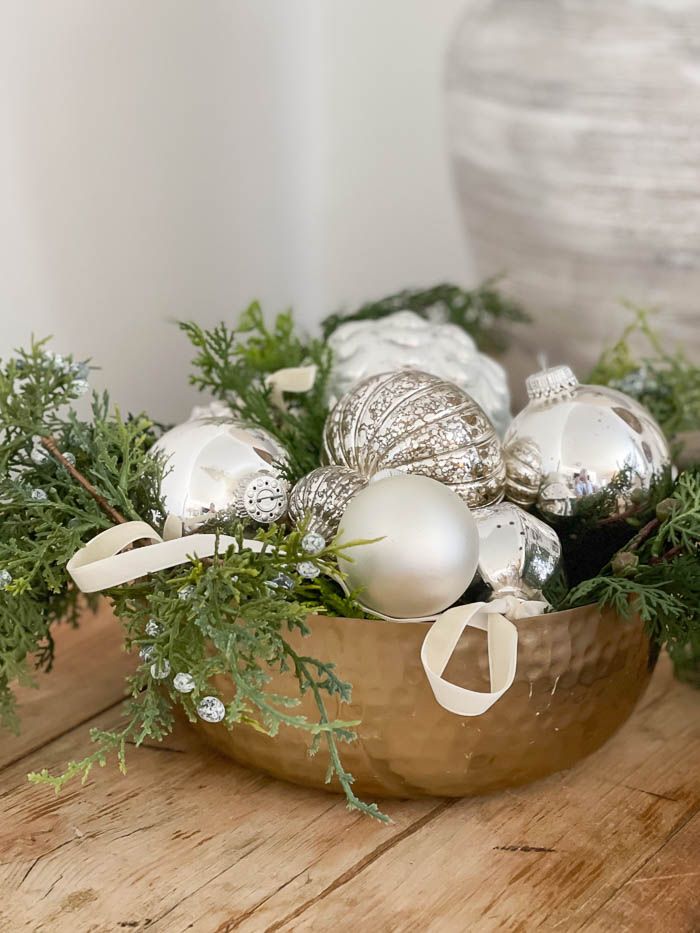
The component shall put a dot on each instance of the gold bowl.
(579, 675)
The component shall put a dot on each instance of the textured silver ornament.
(280, 581)
(183, 682)
(5, 579)
(211, 709)
(39, 495)
(586, 436)
(322, 495)
(427, 550)
(215, 465)
(417, 423)
(153, 628)
(146, 652)
(518, 553)
(404, 340)
(186, 592)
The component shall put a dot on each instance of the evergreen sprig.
(232, 363)
(485, 313)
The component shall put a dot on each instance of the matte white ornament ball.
(215, 465)
(404, 340)
(428, 552)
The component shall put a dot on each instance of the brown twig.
(49, 444)
(642, 534)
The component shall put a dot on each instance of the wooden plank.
(548, 856)
(183, 838)
(87, 678)
(664, 894)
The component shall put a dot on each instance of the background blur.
(176, 159)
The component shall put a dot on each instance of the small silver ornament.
(5, 579)
(146, 652)
(39, 495)
(322, 495)
(419, 424)
(280, 581)
(211, 709)
(427, 551)
(183, 683)
(308, 569)
(186, 592)
(160, 669)
(153, 628)
(588, 436)
(69, 457)
(404, 340)
(518, 553)
(313, 543)
(215, 465)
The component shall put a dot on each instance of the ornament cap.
(551, 383)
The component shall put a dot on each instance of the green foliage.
(663, 584)
(483, 312)
(225, 621)
(45, 515)
(668, 384)
(232, 365)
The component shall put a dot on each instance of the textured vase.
(574, 130)
(579, 676)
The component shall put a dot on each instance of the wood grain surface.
(189, 841)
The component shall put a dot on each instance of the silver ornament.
(216, 466)
(417, 423)
(404, 340)
(186, 592)
(321, 496)
(183, 683)
(523, 471)
(518, 553)
(5, 579)
(280, 581)
(39, 495)
(211, 709)
(153, 628)
(428, 549)
(586, 438)
(146, 652)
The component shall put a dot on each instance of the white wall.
(177, 158)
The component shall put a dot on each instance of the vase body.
(579, 676)
(574, 130)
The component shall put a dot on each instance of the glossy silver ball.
(518, 553)
(215, 465)
(427, 551)
(586, 437)
(321, 496)
(416, 423)
(404, 340)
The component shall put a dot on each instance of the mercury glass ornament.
(518, 553)
(215, 466)
(427, 551)
(588, 437)
(322, 496)
(523, 471)
(404, 340)
(420, 424)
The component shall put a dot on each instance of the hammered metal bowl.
(579, 675)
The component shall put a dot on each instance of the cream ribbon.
(103, 562)
(502, 638)
(293, 379)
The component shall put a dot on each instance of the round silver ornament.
(588, 436)
(215, 465)
(160, 669)
(518, 553)
(183, 682)
(321, 496)
(313, 543)
(416, 423)
(404, 340)
(428, 549)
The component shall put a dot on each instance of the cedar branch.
(49, 444)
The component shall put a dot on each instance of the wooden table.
(189, 841)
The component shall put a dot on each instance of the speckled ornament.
(321, 496)
(416, 423)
